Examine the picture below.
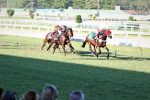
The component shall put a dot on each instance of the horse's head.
(108, 33)
(69, 32)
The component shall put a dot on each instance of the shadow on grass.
(21, 74)
(103, 55)
(123, 57)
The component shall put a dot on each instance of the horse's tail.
(47, 35)
(83, 45)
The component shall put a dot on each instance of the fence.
(123, 33)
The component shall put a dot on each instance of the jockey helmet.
(99, 30)
(55, 27)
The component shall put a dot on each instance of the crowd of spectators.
(49, 92)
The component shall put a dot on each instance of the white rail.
(86, 27)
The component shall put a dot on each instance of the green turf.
(23, 67)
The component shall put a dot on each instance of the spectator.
(9, 96)
(50, 92)
(31, 95)
(1, 93)
(76, 95)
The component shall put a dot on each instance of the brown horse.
(63, 39)
(47, 39)
(98, 43)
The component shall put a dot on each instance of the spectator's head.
(31, 95)
(9, 96)
(1, 93)
(50, 92)
(77, 95)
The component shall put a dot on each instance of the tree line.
(143, 5)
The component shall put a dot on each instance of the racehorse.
(47, 39)
(63, 39)
(100, 42)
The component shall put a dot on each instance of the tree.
(146, 6)
(78, 3)
(114, 3)
(69, 3)
(124, 4)
(59, 3)
(32, 5)
(106, 4)
(21, 3)
(90, 4)
(45, 3)
(142, 5)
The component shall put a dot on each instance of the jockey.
(64, 27)
(55, 29)
(60, 30)
(92, 35)
(98, 36)
(99, 33)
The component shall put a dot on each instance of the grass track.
(25, 67)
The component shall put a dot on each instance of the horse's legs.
(107, 52)
(71, 47)
(90, 48)
(50, 46)
(63, 46)
(57, 46)
(44, 42)
(99, 50)
(95, 53)
(54, 48)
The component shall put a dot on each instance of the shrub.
(78, 19)
(94, 17)
(131, 18)
(10, 12)
(31, 13)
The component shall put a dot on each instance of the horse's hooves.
(97, 56)
(74, 52)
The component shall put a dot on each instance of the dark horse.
(64, 39)
(100, 42)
